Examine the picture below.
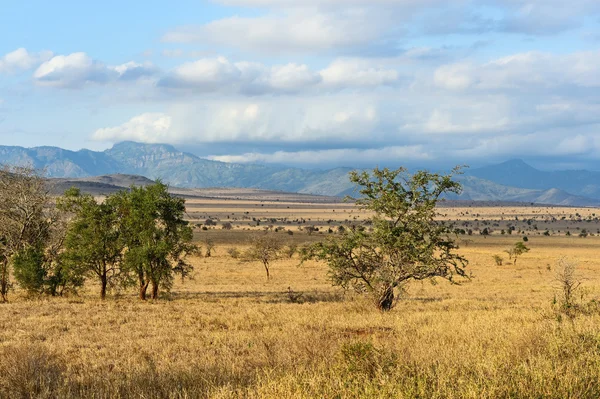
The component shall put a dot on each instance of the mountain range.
(513, 180)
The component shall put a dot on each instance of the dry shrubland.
(231, 333)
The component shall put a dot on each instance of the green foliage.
(93, 240)
(518, 249)
(28, 266)
(406, 242)
(156, 237)
(38, 273)
(264, 248)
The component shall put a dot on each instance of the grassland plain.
(231, 333)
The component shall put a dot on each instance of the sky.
(311, 83)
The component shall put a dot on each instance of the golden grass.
(231, 333)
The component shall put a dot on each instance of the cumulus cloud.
(146, 128)
(72, 70)
(357, 72)
(22, 60)
(78, 69)
(221, 75)
(530, 70)
(260, 120)
(299, 30)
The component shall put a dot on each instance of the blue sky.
(308, 82)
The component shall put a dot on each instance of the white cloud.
(72, 70)
(337, 156)
(204, 75)
(454, 77)
(530, 70)
(298, 30)
(133, 70)
(357, 72)
(221, 75)
(22, 60)
(78, 69)
(146, 128)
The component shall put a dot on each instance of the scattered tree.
(517, 250)
(210, 246)
(406, 243)
(264, 248)
(498, 259)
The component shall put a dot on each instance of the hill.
(125, 162)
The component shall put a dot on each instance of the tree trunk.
(267, 269)
(143, 289)
(103, 282)
(385, 301)
(4, 280)
(154, 290)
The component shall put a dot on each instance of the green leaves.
(406, 242)
(156, 236)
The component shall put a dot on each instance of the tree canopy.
(406, 242)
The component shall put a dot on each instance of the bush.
(234, 253)
(28, 266)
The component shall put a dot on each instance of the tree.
(498, 259)
(210, 246)
(156, 237)
(517, 250)
(264, 248)
(406, 242)
(28, 223)
(93, 239)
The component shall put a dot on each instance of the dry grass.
(229, 333)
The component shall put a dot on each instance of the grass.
(231, 333)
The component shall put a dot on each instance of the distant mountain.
(125, 162)
(476, 189)
(516, 173)
(181, 169)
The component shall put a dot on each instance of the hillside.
(517, 173)
(510, 181)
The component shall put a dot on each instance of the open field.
(231, 333)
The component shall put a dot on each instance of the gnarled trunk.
(155, 286)
(4, 280)
(385, 298)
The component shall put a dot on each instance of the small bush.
(234, 253)
(498, 259)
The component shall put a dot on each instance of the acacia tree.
(264, 248)
(93, 238)
(406, 242)
(156, 237)
(517, 250)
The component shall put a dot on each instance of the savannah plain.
(229, 332)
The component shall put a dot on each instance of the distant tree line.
(135, 237)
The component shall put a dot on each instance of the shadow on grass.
(288, 296)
